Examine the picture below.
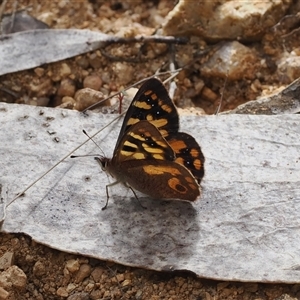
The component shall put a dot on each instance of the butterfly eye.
(102, 162)
(104, 166)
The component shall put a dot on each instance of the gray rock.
(244, 227)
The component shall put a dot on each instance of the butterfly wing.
(151, 155)
(166, 180)
(146, 162)
(188, 153)
(151, 103)
(143, 141)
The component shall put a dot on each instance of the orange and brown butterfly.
(151, 156)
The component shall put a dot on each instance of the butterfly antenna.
(91, 138)
(55, 165)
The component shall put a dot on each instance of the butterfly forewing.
(152, 103)
(143, 141)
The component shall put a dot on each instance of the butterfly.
(150, 155)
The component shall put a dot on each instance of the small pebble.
(65, 70)
(95, 61)
(124, 72)
(39, 71)
(84, 271)
(13, 276)
(86, 97)
(72, 265)
(97, 273)
(6, 260)
(93, 82)
(3, 294)
(66, 88)
(62, 292)
(82, 62)
(80, 296)
(39, 269)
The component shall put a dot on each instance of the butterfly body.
(151, 156)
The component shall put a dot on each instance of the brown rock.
(93, 82)
(67, 102)
(39, 71)
(62, 292)
(95, 61)
(66, 88)
(97, 273)
(223, 19)
(3, 294)
(208, 94)
(40, 87)
(86, 97)
(82, 62)
(13, 277)
(42, 101)
(84, 271)
(39, 269)
(72, 265)
(64, 70)
(124, 72)
(79, 296)
(289, 67)
(96, 294)
(6, 260)
(233, 61)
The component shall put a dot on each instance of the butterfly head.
(103, 162)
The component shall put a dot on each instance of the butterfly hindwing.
(188, 153)
(166, 180)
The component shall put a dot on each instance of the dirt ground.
(51, 274)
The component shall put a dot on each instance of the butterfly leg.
(107, 194)
(114, 183)
(136, 197)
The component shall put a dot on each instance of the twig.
(149, 39)
(170, 40)
(2, 7)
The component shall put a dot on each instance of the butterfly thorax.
(109, 166)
